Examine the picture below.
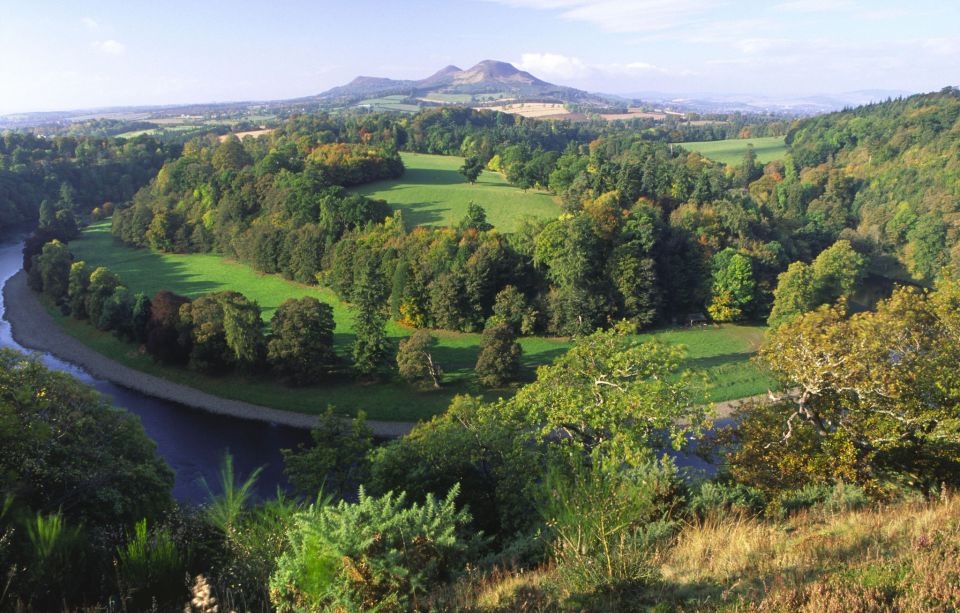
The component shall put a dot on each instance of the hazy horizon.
(112, 54)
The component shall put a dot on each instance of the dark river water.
(191, 441)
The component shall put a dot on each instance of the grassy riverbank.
(723, 353)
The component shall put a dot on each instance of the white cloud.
(110, 47)
(625, 15)
(90, 23)
(553, 65)
(564, 67)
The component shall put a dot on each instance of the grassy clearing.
(390, 103)
(433, 193)
(722, 353)
(731, 151)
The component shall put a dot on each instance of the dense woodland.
(649, 232)
(561, 496)
(76, 175)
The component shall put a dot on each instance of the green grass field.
(722, 353)
(390, 103)
(731, 151)
(433, 193)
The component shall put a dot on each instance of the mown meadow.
(432, 192)
(731, 151)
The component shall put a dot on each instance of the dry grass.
(499, 591)
(530, 109)
(633, 113)
(903, 557)
(251, 133)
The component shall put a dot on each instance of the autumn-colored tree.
(874, 398)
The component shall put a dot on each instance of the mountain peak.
(494, 70)
(443, 74)
(486, 77)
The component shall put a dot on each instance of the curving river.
(191, 441)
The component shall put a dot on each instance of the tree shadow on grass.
(427, 213)
(715, 361)
(145, 271)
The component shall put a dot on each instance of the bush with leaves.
(336, 463)
(476, 445)
(377, 553)
(252, 537)
(63, 447)
(836, 498)
(54, 564)
(719, 498)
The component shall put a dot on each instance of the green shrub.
(252, 548)
(377, 553)
(53, 571)
(714, 498)
(224, 510)
(607, 523)
(819, 496)
(150, 569)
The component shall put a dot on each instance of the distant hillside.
(488, 79)
(891, 171)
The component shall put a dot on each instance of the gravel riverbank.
(33, 328)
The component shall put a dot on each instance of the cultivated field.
(635, 114)
(433, 193)
(390, 103)
(722, 353)
(530, 109)
(731, 151)
(252, 133)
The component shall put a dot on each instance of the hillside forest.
(834, 492)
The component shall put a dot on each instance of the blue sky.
(60, 55)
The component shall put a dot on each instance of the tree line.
(223, 332)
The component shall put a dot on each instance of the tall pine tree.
(371, 349)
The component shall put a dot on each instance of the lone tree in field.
(415, 361)
(476, 218)
(471, 169)
(499, 360)
(371, 349)
(301, 346)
